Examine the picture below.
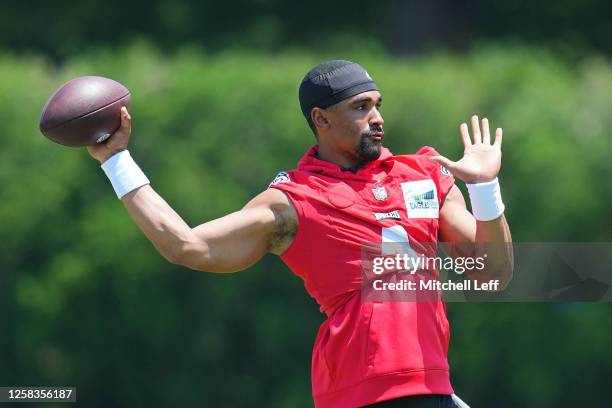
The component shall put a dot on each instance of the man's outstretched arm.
(463, 236)
(228, 244)
(458, 225)
(487, 231)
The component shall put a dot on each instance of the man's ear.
(319, 118)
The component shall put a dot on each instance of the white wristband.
(123, 173)
(486, 200)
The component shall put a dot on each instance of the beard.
(369, 149)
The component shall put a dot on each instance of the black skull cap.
(331, 82)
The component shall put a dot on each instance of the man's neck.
(345, 163)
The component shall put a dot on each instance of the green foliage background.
(87, 301)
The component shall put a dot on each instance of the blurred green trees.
(87, 301)
(65, 28)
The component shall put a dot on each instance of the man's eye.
(361, 107)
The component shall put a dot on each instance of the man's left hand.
(481, 160)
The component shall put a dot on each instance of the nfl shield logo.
(380, 193)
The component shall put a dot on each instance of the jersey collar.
(311, 163)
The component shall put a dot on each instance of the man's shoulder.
(289, 180)
(272, 197)
(281, 177)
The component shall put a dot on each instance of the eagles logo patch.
(281, 177)
(421, 198)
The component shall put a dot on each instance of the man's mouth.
(378, 135)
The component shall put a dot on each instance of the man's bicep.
(285, 218)
(457, 224)
(238, 240)
(233, 242)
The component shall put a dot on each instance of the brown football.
(84, 111)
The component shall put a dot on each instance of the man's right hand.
(117, 142)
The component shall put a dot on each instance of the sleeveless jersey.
(367, 352)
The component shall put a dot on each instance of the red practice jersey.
(367, 352)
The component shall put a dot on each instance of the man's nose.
(376, 118)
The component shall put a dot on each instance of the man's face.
(356, 126)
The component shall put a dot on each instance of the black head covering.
(331, 82)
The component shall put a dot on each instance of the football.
(84, 111)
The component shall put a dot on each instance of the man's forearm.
(494, 242)
(159, 222)
(493, 231)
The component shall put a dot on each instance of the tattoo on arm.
(284, 232)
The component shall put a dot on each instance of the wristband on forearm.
(486, 200)
(123, 173)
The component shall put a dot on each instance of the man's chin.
(371, 153)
